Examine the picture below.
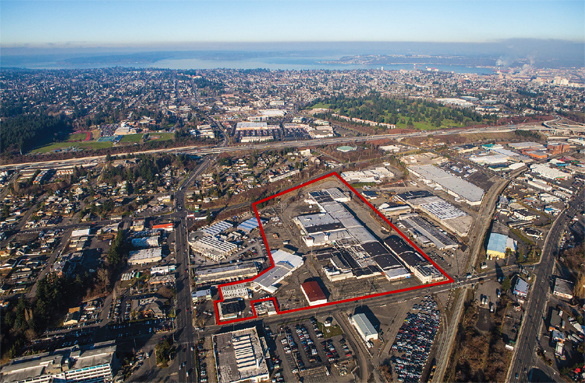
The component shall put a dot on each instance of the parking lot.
(307, 354)
(413, 343)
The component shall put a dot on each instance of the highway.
(204, 150)
(528, 337)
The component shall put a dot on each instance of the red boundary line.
(273, 299)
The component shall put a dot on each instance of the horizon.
(144, 24)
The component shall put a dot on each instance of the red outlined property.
(273, 299)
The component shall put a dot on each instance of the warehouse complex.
(241, 356)
(452, 218)
(455, 186)
(354, 252)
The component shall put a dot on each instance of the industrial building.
(455, 186)
(313, 293)
(285, 264)
(498, 244)
(223, 273)
(238, 290)
(93, 363)
(230, 308)
(364, 327)
(526, 145)
(144, 256)
(563, 288)
(216, 228)
(546, 171)
(373, 175)
(425, 233)
(412, 259)
(265, 308)
(389, 209)
(250, 224)
(443, 212)
(213, 248)
(241, 356)
(334, 225)
(145, 242)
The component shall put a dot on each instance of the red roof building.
(315, 296)
(164, 226)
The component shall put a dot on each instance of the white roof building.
(213, 248)
(285, 264)
(364, 327)
(240, 356)
(141, 257)
(454, 185)
(548, 172)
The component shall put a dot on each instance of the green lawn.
(330, 331)
(77, 137)
(321, 105)
(132, 138)
(79, 145)
(161, 136)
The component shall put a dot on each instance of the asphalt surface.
(525, 352)
(185, 334)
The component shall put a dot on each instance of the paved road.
(185, 333)
(525, 352)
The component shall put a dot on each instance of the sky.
(87, 23)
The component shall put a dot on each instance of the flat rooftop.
(240, 355)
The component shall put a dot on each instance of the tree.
(506, 284)
(208, 217)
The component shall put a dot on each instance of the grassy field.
(161, 136)
(77, 137)
(321, 105)
(79, 145)
(132, 138)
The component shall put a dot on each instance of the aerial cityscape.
(185, 197)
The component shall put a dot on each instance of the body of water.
(273, 63)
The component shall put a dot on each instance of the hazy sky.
(87, 23)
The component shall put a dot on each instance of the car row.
(414, 341)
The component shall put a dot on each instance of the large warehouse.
(455, 186)
(241, 356)
(335, 224)
(414, 261)
(213, 248)
(144, 256)
(222, 273)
